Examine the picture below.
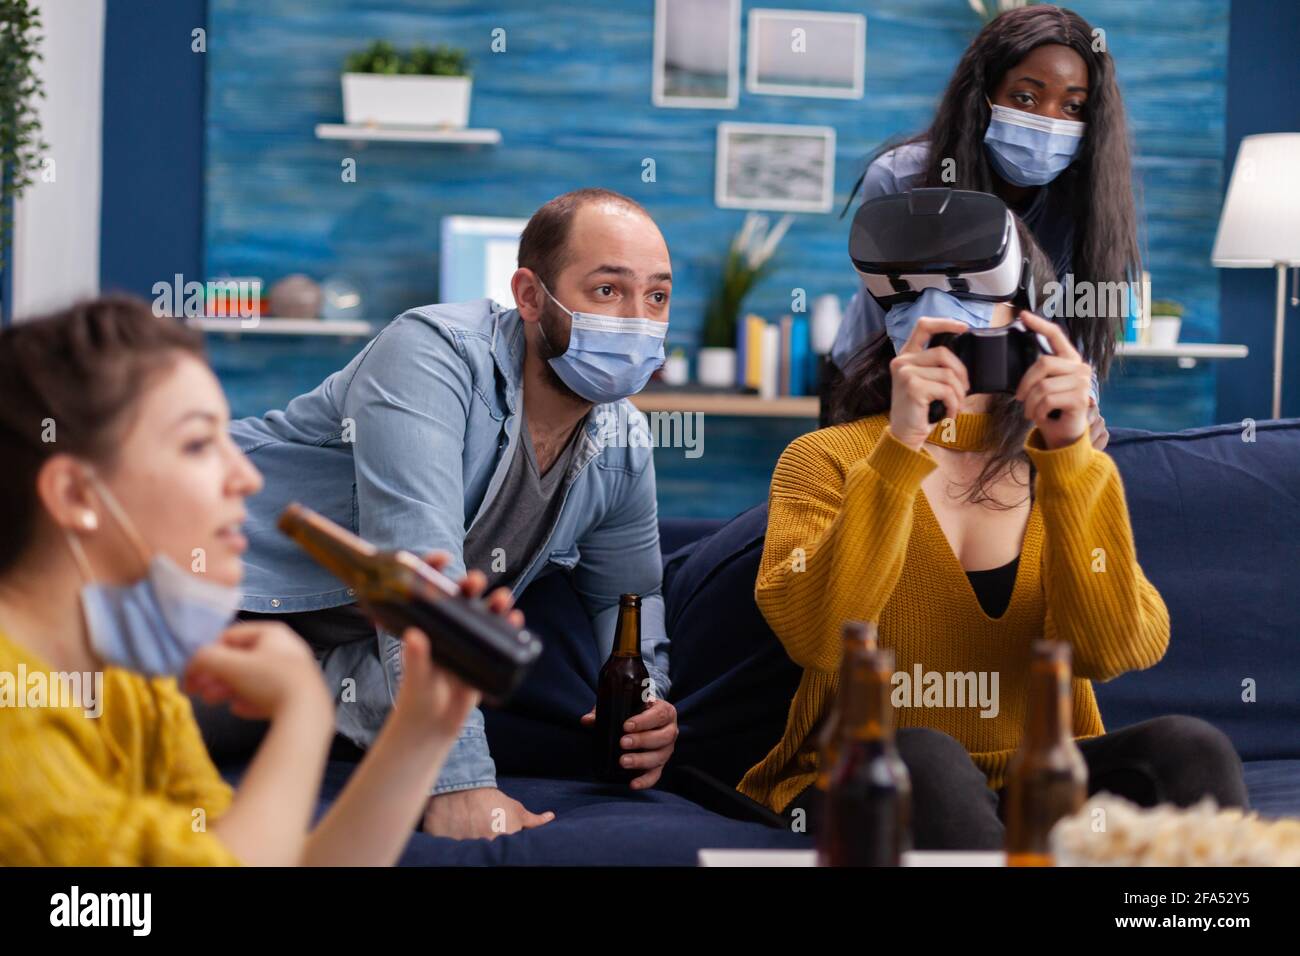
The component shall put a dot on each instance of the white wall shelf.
(340, 328)
(408, 134)
(1185, 354)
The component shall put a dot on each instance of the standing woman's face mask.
(1036, 127)
(158, 541)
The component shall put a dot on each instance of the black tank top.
(993, 587)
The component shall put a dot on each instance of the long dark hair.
(83, 371)
(866, 389)
(1097, 188)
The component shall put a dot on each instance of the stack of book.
(775, 358)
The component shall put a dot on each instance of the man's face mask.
(609, 357)
(156, 624)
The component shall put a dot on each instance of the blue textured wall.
(572, 98)
(153, 146)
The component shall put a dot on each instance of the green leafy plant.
(1167, 307)
(382, 57)
(748, 260)
(990, 9)
(21, 146)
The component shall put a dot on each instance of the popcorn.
(1111, 831)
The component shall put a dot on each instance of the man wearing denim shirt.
(482, 432)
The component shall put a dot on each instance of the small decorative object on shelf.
(295, 297)
(676, 369)
(1166, 320)
(421, 88)
(341, 299)
(748, 259)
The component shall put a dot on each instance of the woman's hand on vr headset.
(922, 375)
(1060, 381)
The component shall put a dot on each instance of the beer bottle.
(398, 590)
(855, 634)
(621, 691)
(1047, 778)
(869, 803)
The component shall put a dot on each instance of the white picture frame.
(696, 44)
(758, 166)
(831, 64)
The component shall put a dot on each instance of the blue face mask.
(609, 357)
(901, 320)
(154, 626)
(1031, 150)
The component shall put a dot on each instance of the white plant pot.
(675, 370)
(380, 99)
(1164, 330)
(716, 368)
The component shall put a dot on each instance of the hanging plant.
(21, 146)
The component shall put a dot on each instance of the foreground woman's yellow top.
(844, 507)
(131, 787)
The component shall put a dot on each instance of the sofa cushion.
(1216, 521)
(594, 825)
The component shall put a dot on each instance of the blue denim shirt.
(406, 446)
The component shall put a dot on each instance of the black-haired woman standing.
(1033, 114)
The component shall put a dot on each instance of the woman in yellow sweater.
(942, 535)
(121, 497)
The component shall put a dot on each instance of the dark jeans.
(1172, 759)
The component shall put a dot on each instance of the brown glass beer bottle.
(398, 590)
(869, 801)
(622, 691)
(1047, 778)
(855, 634)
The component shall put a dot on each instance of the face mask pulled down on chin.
(152, 626)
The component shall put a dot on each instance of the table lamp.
(1260, 224)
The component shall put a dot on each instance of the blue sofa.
(1217, 524)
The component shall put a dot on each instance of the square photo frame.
(806, 53)
(696, 54)
(775, 166)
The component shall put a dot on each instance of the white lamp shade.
(1260, 224)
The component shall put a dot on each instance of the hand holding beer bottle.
(633, 731)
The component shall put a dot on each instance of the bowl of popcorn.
(1111, 831)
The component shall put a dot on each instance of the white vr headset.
(955, 240)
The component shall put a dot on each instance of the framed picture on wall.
(697, 54)
(806, 53)
(775, 166)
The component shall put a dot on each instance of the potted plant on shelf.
(748, 259)
(1166, 321)
(422, 87)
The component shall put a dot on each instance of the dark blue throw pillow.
(732, 679)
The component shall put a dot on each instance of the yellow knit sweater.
(850, 538)
(133, 786)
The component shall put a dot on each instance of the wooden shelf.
(408, 134)
(340, 328)
(726, 403)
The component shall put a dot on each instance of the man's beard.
(552, 329)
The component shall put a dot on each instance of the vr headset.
(963, 243)
(955, 240)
